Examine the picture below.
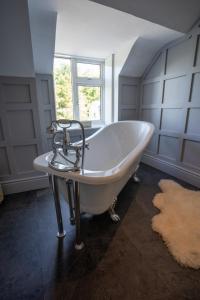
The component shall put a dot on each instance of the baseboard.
(25, 184)
(172, 169)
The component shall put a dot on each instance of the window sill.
(93, 126)
(75, 133)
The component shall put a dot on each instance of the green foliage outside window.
(89, 97)
(89, 103)
(63, 91)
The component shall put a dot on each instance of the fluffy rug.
(179, 222)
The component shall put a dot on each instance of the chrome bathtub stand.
(62, 148)
(53, 180)
(70, 197)
(113, 215)
(74, 206)
(79, 244)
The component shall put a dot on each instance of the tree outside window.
(78, 89)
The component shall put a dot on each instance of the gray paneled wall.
(20, 140)
(128, 98)
(46, 104)
(26, 110)
(27, 107)
(170, 98)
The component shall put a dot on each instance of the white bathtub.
(113, 156)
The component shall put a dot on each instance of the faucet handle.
(51, 129)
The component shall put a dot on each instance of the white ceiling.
(176, 14)
(85, 28)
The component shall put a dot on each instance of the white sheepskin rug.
(179, 222)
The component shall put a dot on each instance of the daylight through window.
(79, 89)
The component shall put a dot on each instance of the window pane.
(89, 103)
(63, 88)
(88, 70)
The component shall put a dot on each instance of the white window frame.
(86, 81)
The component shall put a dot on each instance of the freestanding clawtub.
(112, 158)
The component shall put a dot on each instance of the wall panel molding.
(20, 137)
(175, 76)
(181, 172)
(128, 98)
(46, 103)
(25, 184)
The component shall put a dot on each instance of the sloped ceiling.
(179, 15)
(43, 29)
(89, 29)
(86, 28)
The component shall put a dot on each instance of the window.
(63, 88)
(79, 89)
(88, 70)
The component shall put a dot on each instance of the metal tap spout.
(72, 153)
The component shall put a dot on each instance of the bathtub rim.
(99, 177)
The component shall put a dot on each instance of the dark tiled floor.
(120, 261)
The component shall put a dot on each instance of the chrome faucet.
(71, 154)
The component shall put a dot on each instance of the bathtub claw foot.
(79, 246)
(61, 235)
(114, 217)
(136, 178)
